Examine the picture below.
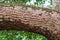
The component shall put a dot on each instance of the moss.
(19, 35)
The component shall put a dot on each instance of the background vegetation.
(43, 3)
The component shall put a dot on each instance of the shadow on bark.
(17, 25)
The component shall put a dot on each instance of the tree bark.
(29, 20)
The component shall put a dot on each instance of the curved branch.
(29, 20)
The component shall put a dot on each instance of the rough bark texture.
(28, 19)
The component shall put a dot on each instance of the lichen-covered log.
(28, 19)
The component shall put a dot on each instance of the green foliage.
(51, 2)
(19, 35)
(15, 1)
(37, 2)
(24, 1)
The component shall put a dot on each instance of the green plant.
(19, 35)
